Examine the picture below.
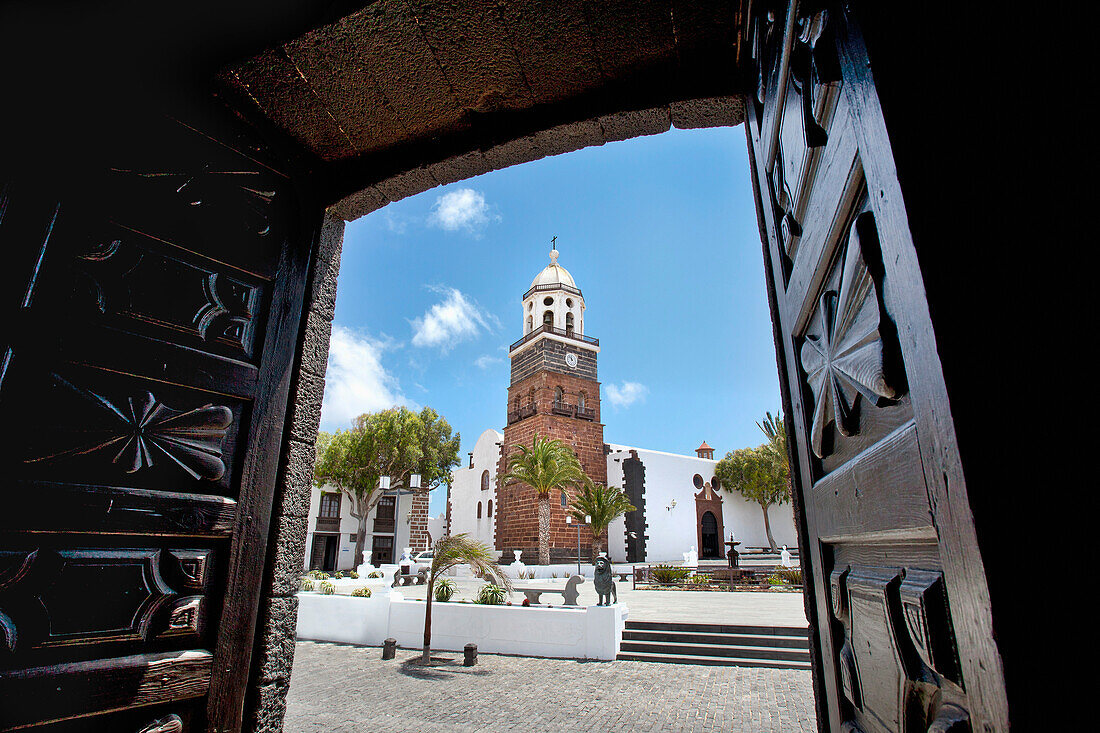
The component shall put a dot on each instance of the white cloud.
(456, 318)
(626, 394)
(396, 224)
(485, 361)
(356, 380)
(463, 208)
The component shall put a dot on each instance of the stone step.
(703, 637)
(683, 626)
(712, 661)
(715, 650)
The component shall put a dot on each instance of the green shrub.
(361, 592)
(327, 588)
(669, 573)
(318, 575)
(490, 595)
(307, 584)
(375, 574)
(353, 575)
(792, 576)
(699, 580)
(445, 589)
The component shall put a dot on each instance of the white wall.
(349, 525)
(437, 527)
(672, 532)
(466, 491)
(592, 632)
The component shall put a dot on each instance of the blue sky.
(659, 233)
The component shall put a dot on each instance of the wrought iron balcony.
(553, 286)
(522, 413)
(383, 525)
(569, 334)
(564, 408)
(585, 414)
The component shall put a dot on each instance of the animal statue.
(604, 581)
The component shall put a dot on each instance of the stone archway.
(708, 519)
(347, 111)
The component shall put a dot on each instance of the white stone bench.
(569, 592)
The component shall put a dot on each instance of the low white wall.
(591, 632)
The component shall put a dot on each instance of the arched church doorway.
(709, 538)
(708, 515)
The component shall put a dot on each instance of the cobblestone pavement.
(338, 688)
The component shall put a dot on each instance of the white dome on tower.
(554, 274)
(554, 301)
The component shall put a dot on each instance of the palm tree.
(776, 432)
(450, 552)
(546, 465)
(604, 504)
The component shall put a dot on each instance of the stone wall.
(418, 523)
(517, 504)
(550, 354)
(274, 655)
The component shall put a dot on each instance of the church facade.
(554, 392)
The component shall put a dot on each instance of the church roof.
(704, 446)
(554, 274)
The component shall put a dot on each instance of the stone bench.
(569, 592)
(419, 578)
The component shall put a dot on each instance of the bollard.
(470, 655)
(389, 648)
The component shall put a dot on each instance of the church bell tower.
(553, 393)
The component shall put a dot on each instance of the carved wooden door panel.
(896, 592)
(149, 331)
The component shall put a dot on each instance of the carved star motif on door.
(843, 351)
(143, 430)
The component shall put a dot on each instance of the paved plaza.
(337, 688)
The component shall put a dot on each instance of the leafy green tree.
(760, 474)
(547, 464)
(604, 504)
(453, 551)
(396, 443)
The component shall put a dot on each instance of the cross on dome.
(554, 250)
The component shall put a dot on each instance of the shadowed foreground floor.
(344, 688)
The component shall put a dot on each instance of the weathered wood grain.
(58, 692)
(87, 509)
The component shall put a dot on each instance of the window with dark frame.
(330, 506)
(386, 508)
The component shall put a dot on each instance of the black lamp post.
(569, 520)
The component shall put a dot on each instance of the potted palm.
(450, 552)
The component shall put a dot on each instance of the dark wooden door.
(381, 550)
(896, 592)
(150, 324)
(709, 533)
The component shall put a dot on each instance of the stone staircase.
(780, 647)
